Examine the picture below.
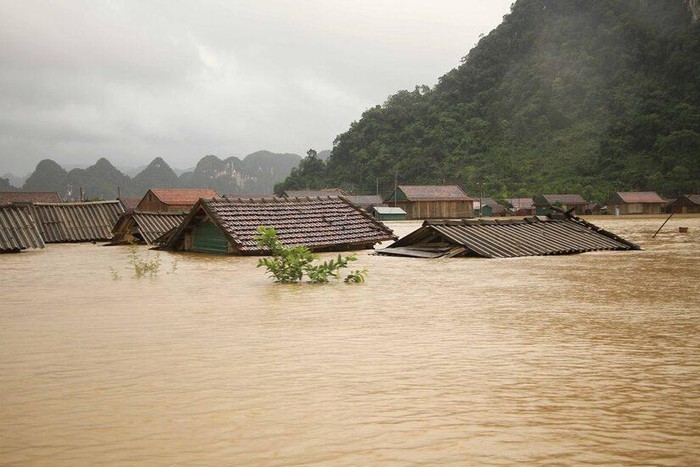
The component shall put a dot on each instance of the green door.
(209, 239)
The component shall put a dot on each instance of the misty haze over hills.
(256, 173)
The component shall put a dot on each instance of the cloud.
(133, 80)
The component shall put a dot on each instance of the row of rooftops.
(331, 222)
(187, 197)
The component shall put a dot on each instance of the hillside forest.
(565, 96)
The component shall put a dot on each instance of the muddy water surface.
(590, 358)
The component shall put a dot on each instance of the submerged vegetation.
(143, 264)
(292, 264)
(565, 96)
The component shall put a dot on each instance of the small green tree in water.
(291, 264)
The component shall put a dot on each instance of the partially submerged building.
(7, 197)
(687, 204)
(76, 222)
(567, 202)
(556, 235)
(366, 202)
(229, 226)
(388, 213)
(313, 193)
(432, 201)
(173, 199)
(18, 231)
(522, 206)
(144, 227)
(640, 202)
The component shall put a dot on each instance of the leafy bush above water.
(291, 264)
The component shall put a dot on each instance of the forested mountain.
(257, 173)
(587, 96)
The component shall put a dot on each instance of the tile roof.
(148, 225)
(128, 202)
(325, 223)
(29, 197)
(76, 222)
(183, 196)
(506, 238)
(433, 193)
(640, 197)
(18, 231)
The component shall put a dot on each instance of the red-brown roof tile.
(29, 197)
(183, 196)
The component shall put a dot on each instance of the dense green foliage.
(576, 96)
(291, 264)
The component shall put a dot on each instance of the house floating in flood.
(18, 231)
(144, 227)
(559, 234)
(229, 226)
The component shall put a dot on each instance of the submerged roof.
(29, 197)
(568, 199)
(365, 201)
(433, 193)
(506, 238)
(641, 197)
(314, 193)
(76, 222)
(183, 196)
(148, 225)
(388, 210)
(18, 231)
(324, 223)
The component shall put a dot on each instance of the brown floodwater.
(591, 358)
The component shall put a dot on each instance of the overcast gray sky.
(135, 79)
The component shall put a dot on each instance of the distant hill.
(565, 96)
(257, 173)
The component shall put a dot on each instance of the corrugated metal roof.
(325, 223)
(641, 197)
(7, 197)
(77, 222)
(149, 226)
(433, 193)
(507, 238)
(182, 196)
(18, 231)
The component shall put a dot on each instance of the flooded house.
(638, 202)
(558, 234)
(173, 199)
(489, 207)
(388, 213)
(521, 206)
(686, 204)
(366, 202)
(135, 227)
(314, 193)
(18, 231)
(432, 201)
(229, 226)
(567, 202)
(7, 197)
(76, 222)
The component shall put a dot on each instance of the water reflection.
(572, 359)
